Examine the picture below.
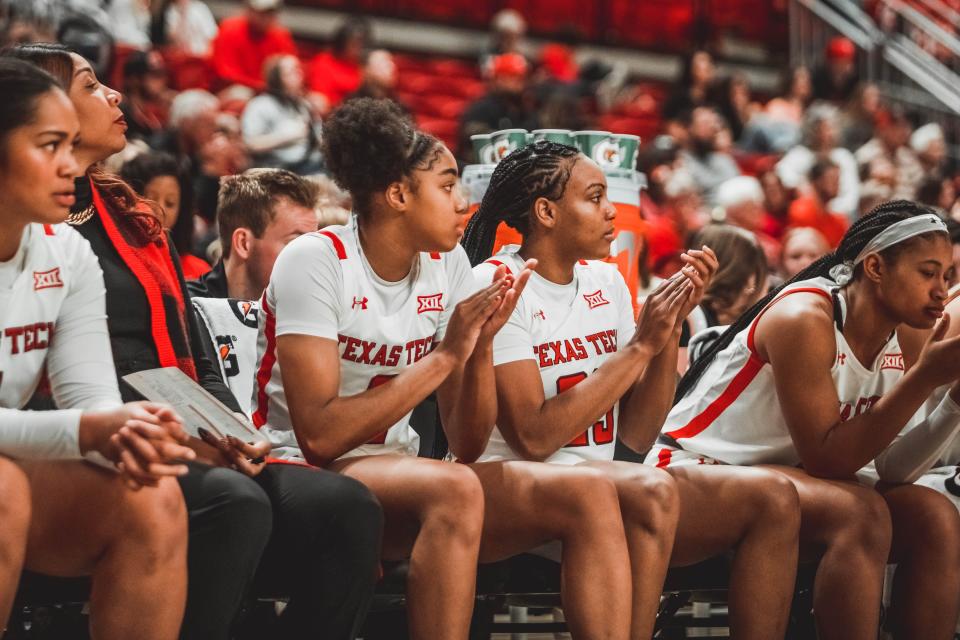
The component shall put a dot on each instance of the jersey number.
(375, 382)
(602, 429)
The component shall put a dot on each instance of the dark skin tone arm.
(644, 408)
(828, 447)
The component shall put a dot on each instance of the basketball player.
(571, 355)
(360, 323)
(124, 529)
(824, 410)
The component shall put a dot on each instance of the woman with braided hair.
(818, 380)
(571, 355)
(361, 323)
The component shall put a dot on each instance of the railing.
(906, 73)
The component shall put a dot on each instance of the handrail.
(850, 29)
(924, 22)
(943, 10)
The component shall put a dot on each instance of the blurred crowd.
(792, 169)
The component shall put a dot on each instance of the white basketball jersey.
(30, 305)
(374, 344)
(733, 414)
(569, 342)
(232, 326)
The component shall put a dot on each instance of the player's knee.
(653, 498)
(585, 497)
(781, 502)
(14, 503)
(937, 524)
(157, 517)
(356, 511)
(457, 507)
(865, 524)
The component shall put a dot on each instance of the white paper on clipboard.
(192, 402)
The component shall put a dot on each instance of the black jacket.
(128, 313)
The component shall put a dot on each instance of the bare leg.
(132, 543)
(529, 503)
(650, 507)
(926, 549)
(14, 524)
(850, 526)
(433, 514)
(755, 512)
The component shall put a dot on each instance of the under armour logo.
(429, 303)
(842, 358)
(595, 299)
(359, 302)
(47, 279)
(540, 314)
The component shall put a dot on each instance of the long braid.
(853, 242)
(539, 170)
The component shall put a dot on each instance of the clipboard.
(198, 408)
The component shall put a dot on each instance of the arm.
(328, 425)
(827, 446)
(536, 427)
(468, 397)
(644, 408)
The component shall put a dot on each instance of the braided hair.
(853, 242)
(369, 144)
(539, 170)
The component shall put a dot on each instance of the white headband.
(894, 234)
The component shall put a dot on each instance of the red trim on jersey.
(583, 262)
(295, 463)
(337, 244)
(48, 229)
(753, 325)
(497, 263)
(740, 382)
(663, 458)
(266, 365)
(435, 256)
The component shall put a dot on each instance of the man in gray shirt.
(708, 167)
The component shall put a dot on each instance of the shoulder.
(604, 273)
(843, 156)
(324, 249)
(801, 317)
(232, 25)
(66, 241)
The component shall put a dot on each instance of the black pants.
(323, 552)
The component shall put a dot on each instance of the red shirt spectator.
(246, 41)
(337, 73)
(334, 77)
(808, 211)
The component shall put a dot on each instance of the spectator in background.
(740, 282)
(812, 209)
(695, 87)
(820, 140)
(734, 103)
(23, 21)
(146, 97)
(931, 149)
(776, 202)
(278, 125)
(680, 215)
(558, 63)
(954, 228)
(776, 128)
(836, 80)
(938, 192)
(802, 246)
(860, 115)
(157, 177)
(189, 26)
(205, 146)
(336, 73)
(246, 41)
(740, 203)
(379, 77)
(504, 105)
(890, 142)
(709, 167)
(130, 22)
(507, 30)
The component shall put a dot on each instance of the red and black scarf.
(152, 265)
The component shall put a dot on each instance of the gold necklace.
(79, 217)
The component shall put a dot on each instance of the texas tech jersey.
(51, 260)
(567, 340)
(733, 414)
(322, 280)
